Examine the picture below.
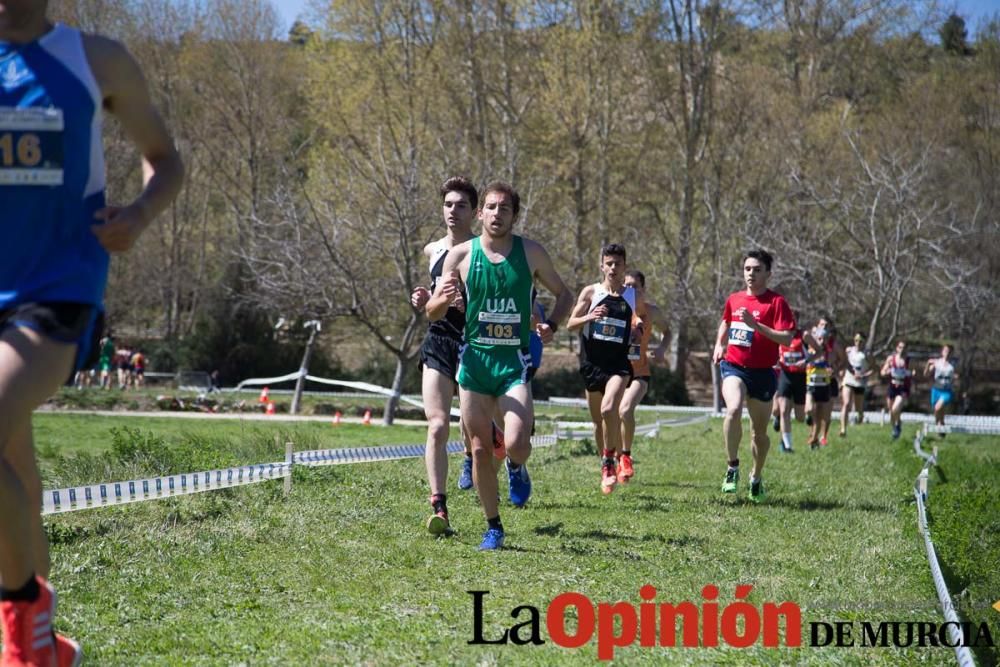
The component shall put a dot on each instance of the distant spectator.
(215, 380)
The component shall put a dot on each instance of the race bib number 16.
(31, 150)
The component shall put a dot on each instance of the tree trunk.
(303, 369)
(397, 386)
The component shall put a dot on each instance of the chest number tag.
(500, 329)
(740, 334)
(609, 329)
(31, 150)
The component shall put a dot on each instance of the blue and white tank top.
(944, 375)
(51, 172)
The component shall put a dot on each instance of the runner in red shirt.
(754, 322)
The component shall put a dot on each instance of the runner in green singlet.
(495, 271)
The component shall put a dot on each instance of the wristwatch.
(552, 325)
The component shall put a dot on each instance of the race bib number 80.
(609, 329)
(740, 334)
(31, 150)
(500, 328)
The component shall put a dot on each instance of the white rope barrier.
(920, 492)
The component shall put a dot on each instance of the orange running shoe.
(608, 478)
(27, 629)
(625, 470)
(499, 446)
(68, 652)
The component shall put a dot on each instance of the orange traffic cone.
(263, 395)
(336, 418)
(270, 408)
(367, 419)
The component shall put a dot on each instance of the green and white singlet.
(495, 356)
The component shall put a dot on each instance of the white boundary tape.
(108, 494)
(153, 488)
(962, 653)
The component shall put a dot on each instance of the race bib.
(818, 376)
(943, 381)
(500, 329)
(608, 329)
(31, 146)
(634, 352)
(792, 357)
(740, 334)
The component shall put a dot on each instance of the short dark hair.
(463, 185)
(638, 275)
(614, 250)
(507, 189)
(762, 256)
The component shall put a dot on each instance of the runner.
(104, 363)
(897, 369)
(439, 352)
(819, 377)
(58, 232)
(603, 316)
(638, 356)
(754, 322)
(496, 271)
(856, 375)
(942, 392)
(791, 388)
(138, 364)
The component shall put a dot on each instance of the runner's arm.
(126, 96)
(720, 342)
(545, 273)
(450, 285)
(580, 315)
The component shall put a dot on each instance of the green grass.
(341, 572)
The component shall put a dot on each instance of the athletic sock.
(29, 592)
(626, 452)
(735, 463)
(439, 502)
(494, 523)
(786, 440)
(608, 454)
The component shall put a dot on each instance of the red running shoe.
(27, 630)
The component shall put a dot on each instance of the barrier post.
(922, 484)
(288, 460)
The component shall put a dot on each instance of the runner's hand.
(598, 313)
(748, 319)
(121, 227)
(718, 354)
(544, 332)
(419, 297)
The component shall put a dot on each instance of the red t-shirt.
(747, 347)
(792, 354)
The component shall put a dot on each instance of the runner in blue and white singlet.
(942, 391)
(55, 83)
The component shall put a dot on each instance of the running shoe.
(729, 483)
(499, 446)
(776, 423)
(897, 430)
(520, 484)
(608, 477)
(68, 652)
(843, 434)
(785, 448)
(27, 629)
(492, 540)
(756, 490)
(437, 524)
(809, 420)
(822, 441)
(625, 470)
(465, 477)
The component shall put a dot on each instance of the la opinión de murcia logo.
(738, 624)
